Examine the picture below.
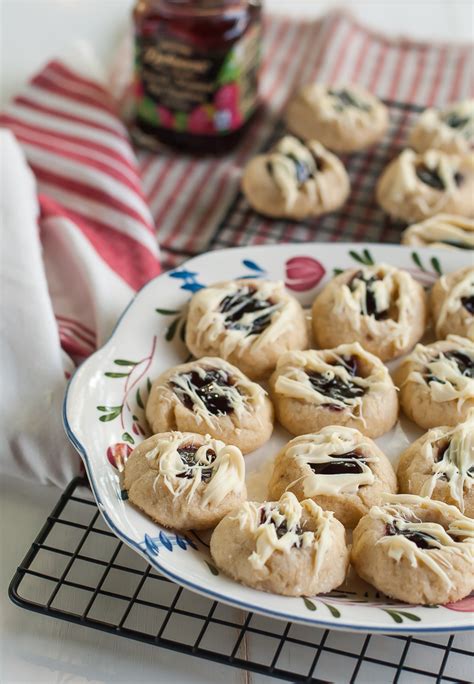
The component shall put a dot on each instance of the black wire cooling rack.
(122, 595)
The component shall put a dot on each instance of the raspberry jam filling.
(343, 463)
(336, 387)
(421, 539)
(205, 386)
(235, 306)
(347, 99)
(370, 298)
(468, 304)
(303, 170)
(432, 178)
(282, 528)
(453, 120)
(188, 459)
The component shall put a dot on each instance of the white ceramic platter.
(104, 418)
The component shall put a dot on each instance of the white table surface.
(39, 649)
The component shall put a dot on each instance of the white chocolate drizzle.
(324, 447)
(293, 381)
(444, 543)
(449, 384)
(211, 326)
(452, 302)
(226, 462)
(330, 108)
(436, 121)
(394, 289)
(442, 230)
(456, 463)
(263, 520)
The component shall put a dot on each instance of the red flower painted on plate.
(117, 455)
(465, 605)
(303, 273)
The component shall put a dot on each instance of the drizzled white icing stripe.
(452, 302)
(329, 105)
(293, 381)
(441, 229)
(395, 289)
(456, 539)
(321, 448)
(457, 460)
(435, 120)
(453, 385)
(228, 468)
(211, 325)
(262, 521)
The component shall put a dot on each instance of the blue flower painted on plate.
(165, 541)
(189, 278)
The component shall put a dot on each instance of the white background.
(36, 649)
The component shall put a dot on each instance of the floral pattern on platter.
(117, 387)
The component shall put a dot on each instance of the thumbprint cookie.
(452, 304)
(414, 186)
(436, 382)
(295, 180)
(338, 468)
(441, 230)
(210, 396)
(416, 550)
(285, 547)
(247, 322)
(440, 465)
(450, 130)
(185, 480)
(380, 306)
(344, 118)
(342, 386)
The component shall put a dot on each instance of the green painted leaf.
(337, 271)
(410, 616)
(116, 375)
(110, 416)
(125, 362)
(135, 418)
(139, 399)
(309, 604)
(436, 265)
(182, 331)
(102, 408)
(333, 610)
(127, 437)
(417, 260)
(212, 568)
(167, 312)
(368, 257)
(171, 331)
(148, 385)
(394, 615)
(357, 257)
(108, 408)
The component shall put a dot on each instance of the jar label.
(208, 93)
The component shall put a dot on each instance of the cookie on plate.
(440, 465)
(344, 118)
(338, 468)
(295, 180)
(380, 306)
(450, 129)
(342, 386)
(436, 382)
(285, 547)
(452, 304)
(441, 230)
(184, 480)
(416, 550)
(210, 396)
(247, 322)
(416, 186)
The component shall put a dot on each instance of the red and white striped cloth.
(64, 287)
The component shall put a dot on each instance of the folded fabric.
(77, 241)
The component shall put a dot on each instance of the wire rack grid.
(122, 595)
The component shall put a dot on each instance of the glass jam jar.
(196, 72)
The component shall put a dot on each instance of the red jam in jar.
(196, 72)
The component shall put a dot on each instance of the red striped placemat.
(189, 197)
